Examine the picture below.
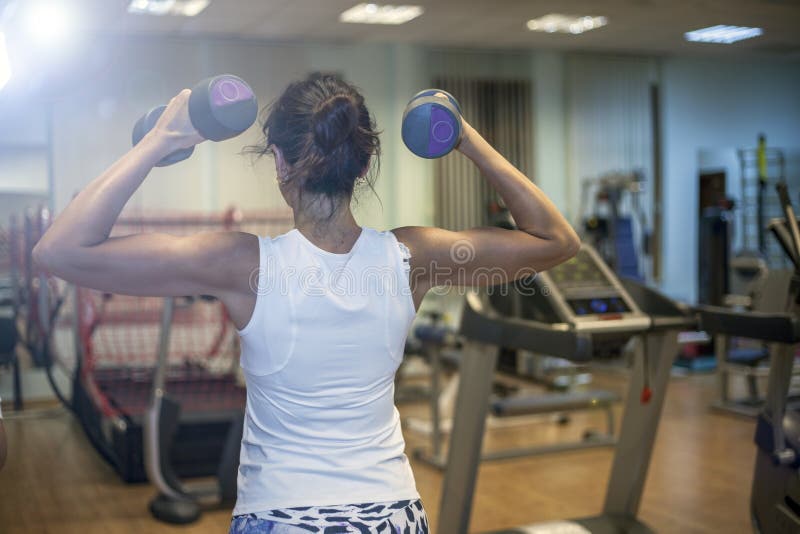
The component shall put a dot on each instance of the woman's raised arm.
(478, 256)
(77, 246)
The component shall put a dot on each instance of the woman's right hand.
(174, 129)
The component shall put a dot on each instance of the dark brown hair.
(326, 134)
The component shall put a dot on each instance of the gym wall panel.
(546, 71)
(23, 170)
(549, 126)
(716, 104)
(500, 110)
(93, 117)
(242, 179)
(22, 125)
(609, 124)
(411, 177)
(494, 90)
(371, 68)
(448, 62)
(144, 73)
(23, 157)
(217, 176)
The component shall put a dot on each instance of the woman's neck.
(337, 233)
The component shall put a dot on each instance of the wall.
(23, 159)
(92, 116)
(589, 116)
(549, 127)
(576, 99)
(715, 105)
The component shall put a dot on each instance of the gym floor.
(699, 479)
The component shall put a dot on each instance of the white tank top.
(319, 355)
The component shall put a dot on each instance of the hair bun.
(334, 121)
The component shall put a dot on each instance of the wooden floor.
(698, 482)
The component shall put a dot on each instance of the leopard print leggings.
(400, 517)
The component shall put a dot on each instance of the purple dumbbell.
(432, 124)
(220, 107)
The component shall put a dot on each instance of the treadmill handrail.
(664, 313)
(480, 322)
(771, 327)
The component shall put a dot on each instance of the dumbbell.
(220, 107)
(432, 124)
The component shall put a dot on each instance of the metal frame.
(767, 293)
(631, 457)
(436, 455)
(483, 327)
(639, 424)
(775, 480)
(752, 405)
(174, 489)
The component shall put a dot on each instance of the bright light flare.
(47, 22)
(722, 34)
(556, 22)
(380, 14)
(184, 8)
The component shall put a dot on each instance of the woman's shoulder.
(388, 236)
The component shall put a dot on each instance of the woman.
(324, 322)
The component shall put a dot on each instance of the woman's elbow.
(44, 255)
(569, 244)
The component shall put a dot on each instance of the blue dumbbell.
(220, 107)
(432, 124)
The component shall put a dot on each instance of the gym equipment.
(603, 312)
(108, 347)
(775, 495)
(405, 392)
(432, 124)
(440, 348)
(713, 255)
(745, 283)
(178, 503)
(119, 351)
(748, 273)
(608, 229)
(220, 107)
(744, 358)
(760, 167)
(8, 316)
(32, 306)
(553, 373)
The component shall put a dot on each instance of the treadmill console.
(584, 291)
(585, 288)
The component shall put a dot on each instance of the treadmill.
(775, 494)
(578, 310)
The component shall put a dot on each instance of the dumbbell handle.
(146, 123)
(220, 107)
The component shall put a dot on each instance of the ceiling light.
(5, 64)
(183, 8)
(555, 22)
(47, 22)
(377, 14)
(723, 34)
